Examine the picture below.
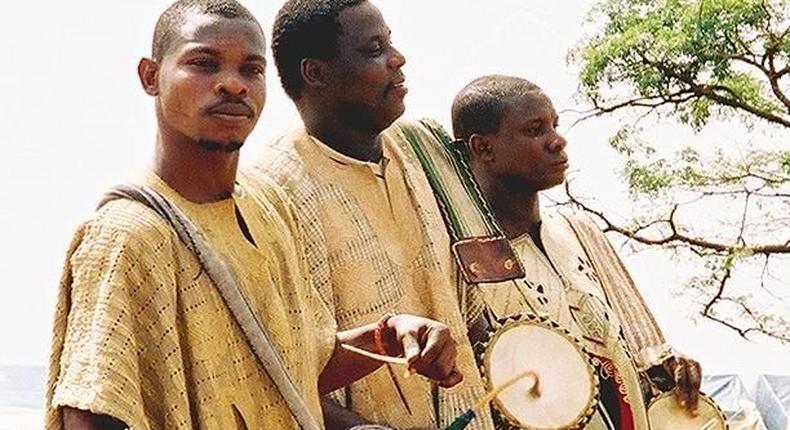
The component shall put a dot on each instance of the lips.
(561, 164)
(231, 109)
(398, 85)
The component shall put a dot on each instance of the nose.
(231, 84)
(558, 143)
(396, 60)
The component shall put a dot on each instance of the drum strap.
(254, 330)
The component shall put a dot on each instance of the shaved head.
(168, 27)
(480, 106)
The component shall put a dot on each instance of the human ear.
(313, 72)
(481, 148)
(148, 71)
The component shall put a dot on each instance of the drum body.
(567, 388)
(664, 413)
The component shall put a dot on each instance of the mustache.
(230, 101)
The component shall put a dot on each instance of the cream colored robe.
(142, 335)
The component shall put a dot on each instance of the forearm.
(338, 417)
(77, 419)
(345, 367)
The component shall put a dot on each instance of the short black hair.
(480, 106)
(170, 21)
(305, 29)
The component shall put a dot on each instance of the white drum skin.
(567, 386)
(664, 413)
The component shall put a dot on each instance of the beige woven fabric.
(566, 288)
(142, 335)
(640, 328)
(376, 243)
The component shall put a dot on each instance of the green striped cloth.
(482, 250)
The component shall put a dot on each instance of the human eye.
(535, 130)
(375, 48)
(203, 63)
(254, 69)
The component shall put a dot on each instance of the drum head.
(568, 389)
(665, 413)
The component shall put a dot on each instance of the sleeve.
(323, 318)
(118, 317)
(324, 325)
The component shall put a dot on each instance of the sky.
(74, 121)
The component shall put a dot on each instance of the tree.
(697, 63)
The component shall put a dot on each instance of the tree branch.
(675, 236)
(710, 92)
(646, 102)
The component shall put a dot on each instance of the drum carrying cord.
(464, 419)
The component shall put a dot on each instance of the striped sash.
(481, 249)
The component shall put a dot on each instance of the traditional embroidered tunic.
(376, 243)
(142, 335)
(563, 285)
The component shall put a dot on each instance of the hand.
(687, 374)
(427, 345)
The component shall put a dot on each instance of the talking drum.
(664, 413)
(561, 390)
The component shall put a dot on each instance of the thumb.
(411, 347)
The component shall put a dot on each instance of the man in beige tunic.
(573, 276)
(143, 339)
(375, 238)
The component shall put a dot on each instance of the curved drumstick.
(374, 356)
(534, 390)
(463, 420)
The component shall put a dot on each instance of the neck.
(198, 175)
(333, 131)
(517, 210)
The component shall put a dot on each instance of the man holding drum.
(574, 278)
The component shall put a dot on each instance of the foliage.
(701, 62)
(700, 58)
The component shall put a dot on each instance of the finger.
(436, 342)
(445, 363)
(454, 378)
(681, 383)
(411, 347)
(695, 380)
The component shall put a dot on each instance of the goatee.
(217, 146)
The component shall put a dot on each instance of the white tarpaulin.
(734, 400)
(773, 400)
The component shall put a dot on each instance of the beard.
(210, 145)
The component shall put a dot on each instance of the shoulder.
(275, 204)
(268, 193)
(580, 221)
(424, 128)
(413, 137)
(130, 219)
(285, 163)
(121, 229)
(280, 158)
